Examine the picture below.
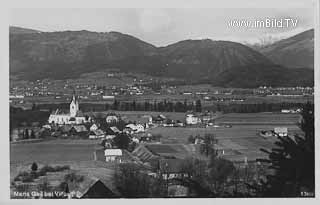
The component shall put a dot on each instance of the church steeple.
(74, 106)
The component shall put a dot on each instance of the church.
(75, 116)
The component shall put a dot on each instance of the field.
(76, 153)
(259, 118)
(242, 138)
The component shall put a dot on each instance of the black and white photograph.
(184, 102)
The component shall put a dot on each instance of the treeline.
(170, 106)
(20, 117)
(158, 106)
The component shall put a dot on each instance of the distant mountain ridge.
(294, 52)
(19, 30)
(68, 54)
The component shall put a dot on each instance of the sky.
(163, 26)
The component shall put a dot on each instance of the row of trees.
(176, 106)
(161, 106)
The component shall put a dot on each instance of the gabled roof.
(115, 129)
(65, 128)
(80, 128)
(97, 132)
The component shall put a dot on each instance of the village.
(144, 140)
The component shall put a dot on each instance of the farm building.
(113, 155)
(90, 187)
(149, 152)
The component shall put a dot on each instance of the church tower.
(74, 106)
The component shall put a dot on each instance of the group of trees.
(292, 163)
(176, 106)
(158, 106)
(20, 117)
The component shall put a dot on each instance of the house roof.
(80, 128)
(80, 114)
(280, 129)
(113, 152)
(97, 132)
(65, 128)
(148, 152)
(115, 129)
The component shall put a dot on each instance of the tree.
(292, 162)
(32, 135)
(34, 167)
(121, 141)
(207, 148)
(26, 135)
(219, 171)
(133, 182)
(198, 106)
(191, 139)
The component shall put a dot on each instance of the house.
(136, 128)
(65, 128)
(113, 155)
(192, 119)
(281, 131)
(159, 119)
(96, 134)
(150, 152)
(111, 132)
(47, 127)
(78, 130)
(172, 168)
(112, 118)
(94, 127)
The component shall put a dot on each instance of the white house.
(75, 116)
(192, 119)
(113, 155)
(281, 131)
(112, 118)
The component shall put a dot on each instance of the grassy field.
(52, 151)
(76, 153)
(259, 118)
(180, 134)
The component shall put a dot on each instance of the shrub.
(73, 177)
(28, 178)
(34, 167)
(47, 168)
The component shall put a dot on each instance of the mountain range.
(68, 54)
(294, 52)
